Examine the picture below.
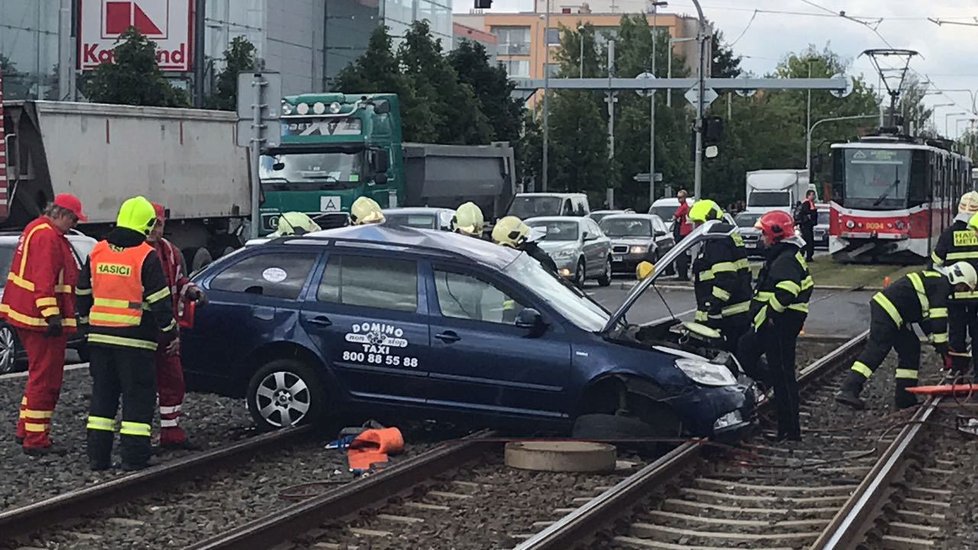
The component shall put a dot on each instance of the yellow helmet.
(510, 231)
(138, 214)
(705, 210)
(365, 210)
(468, 220)
(294, 223)
(968, 203)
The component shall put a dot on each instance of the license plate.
(617, 258)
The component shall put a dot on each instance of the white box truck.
(776, 189)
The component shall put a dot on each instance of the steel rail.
(858, 513)
(348, 499)
(44, 514)
(586, 520)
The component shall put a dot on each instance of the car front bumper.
(628, 262)
(725, 412)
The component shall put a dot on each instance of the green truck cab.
(333, 148)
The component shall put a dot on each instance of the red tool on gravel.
(945, 389)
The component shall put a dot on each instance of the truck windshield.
(532, 207)
(877, 178)
(768, 198)
(319, 167)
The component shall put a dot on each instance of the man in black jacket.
(512, 232)
(807, 218)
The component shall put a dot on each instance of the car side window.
(581, 211)
(567, 209)
(277, 275)
(463, 296)
(370, 282)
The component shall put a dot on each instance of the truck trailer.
(186, 159)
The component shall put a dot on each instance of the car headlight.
(637, 249)
(705, 373)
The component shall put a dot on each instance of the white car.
(665, 208)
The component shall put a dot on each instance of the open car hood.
(710, 230)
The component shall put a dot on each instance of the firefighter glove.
(55, 328)
(173, 348)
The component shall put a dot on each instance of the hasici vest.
(117, 285)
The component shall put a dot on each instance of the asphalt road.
(832, 312)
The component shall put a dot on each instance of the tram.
(892, 196)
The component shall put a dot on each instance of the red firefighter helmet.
(776, 226)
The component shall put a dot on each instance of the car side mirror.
(660, 233)
(531, 320)
(590, 237)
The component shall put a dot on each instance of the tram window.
(879, 178)
(918, 178)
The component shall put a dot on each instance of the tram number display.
(874, 225)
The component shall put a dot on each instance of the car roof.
(629, 215)
(562, 195)
(577, 219)
(422, 241)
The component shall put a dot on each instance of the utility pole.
(655, 14)
(200, 59)
(580, 36)
(698, 165)
(611, 121)
(546, 101)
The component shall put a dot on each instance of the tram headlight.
(850, 224)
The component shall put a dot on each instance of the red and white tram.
(892, 196)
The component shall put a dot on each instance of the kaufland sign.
(169, 23)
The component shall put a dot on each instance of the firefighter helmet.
(704, 211)
(510, 231)
(776, 226)
(294, 223)
(963, 273)
(468, 220)
(138, 214)
(643, 270)
(968, 203)
(365, 210)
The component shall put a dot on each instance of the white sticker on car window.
(274, 274)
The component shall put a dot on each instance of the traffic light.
(712, 130)
(483, 4)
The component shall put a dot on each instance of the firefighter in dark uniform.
(124, 299)
(512, 232)
(778, 312)
(959, 243)
(920, 298)
(722, 280)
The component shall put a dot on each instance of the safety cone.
(886, 281)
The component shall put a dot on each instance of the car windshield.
(531, 207)
(421, 221)
(573, 306)
(6, 256)
(665, 212)
(626, 227)
(823, 217)
(320, 168)
(745, 219)
(557, 230)
(768, 198)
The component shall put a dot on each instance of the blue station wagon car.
(390, 322)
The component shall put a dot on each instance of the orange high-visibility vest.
(117, 285)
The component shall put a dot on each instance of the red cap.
(71, 203)
(160, 211)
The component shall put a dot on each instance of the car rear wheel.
(605, 278)
(580, 273)
(283, 393)
(8, 349)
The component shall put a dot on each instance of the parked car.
(752, 236)
(822, 229)
(534, 205)
(420, 217)
(396, 323)
(578, 247)
(12, 354)
(599, 215)
(666, 207)
(636, 238)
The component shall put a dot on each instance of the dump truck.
(337, 147)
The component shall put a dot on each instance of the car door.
(664, 240)
(480, 360)
(595, 248)
(368, 317)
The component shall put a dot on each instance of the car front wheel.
(8, 349)
(283, 393)
(580, 274)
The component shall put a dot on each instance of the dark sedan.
(636, 238)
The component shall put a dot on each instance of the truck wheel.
(605, 278)
(283, 393)
(197, 258)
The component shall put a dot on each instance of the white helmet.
(963, 273)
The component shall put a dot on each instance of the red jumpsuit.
(169, 370)
(41, 284)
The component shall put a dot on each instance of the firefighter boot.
(904, 399)
(852, 386)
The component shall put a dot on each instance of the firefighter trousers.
(171, 388)
(45, 371)
(776, 340)
(885, 335)
(129, 373)
(962, 326)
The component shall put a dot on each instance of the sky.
(765, 31)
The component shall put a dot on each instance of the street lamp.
(546, 99)
(580, 37)
(655, 13)
(947, 131)
(669, 70)
(700, 88)
(957, 124)
(811, 129)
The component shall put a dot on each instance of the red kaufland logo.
(165, 22)
(149, 17)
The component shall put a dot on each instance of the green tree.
(911, 106)
(453, 106)
(238, 58)
(725, 64)
(493, 90)
(133, 77)
(16, 85)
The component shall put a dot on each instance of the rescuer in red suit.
(39, 302)
(169, 370)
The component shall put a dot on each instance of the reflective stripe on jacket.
(722, 280)
(40, 284)
(784, 285)
(919, 297)
(956, 244)
(117, 287)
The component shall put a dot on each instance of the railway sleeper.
(774, 525)
(697, 537)
(736, 512)
(634, 542)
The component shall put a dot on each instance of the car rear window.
(370, 282)
(6, 256)
(278, 275)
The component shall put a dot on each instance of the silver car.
(752, 236)
(578, 247)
